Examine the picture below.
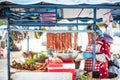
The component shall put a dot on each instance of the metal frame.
(94, 7)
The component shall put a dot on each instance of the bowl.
(66, 57)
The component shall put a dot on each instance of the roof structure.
(66, 2)
(74, 12)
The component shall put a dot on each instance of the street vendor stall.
(52, 17)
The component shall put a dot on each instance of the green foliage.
(3, 22)
(99, 23)
(113, 24)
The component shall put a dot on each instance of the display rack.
(18, 18)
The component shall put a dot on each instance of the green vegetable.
(83, 77)
(30, 61)
(35, 57)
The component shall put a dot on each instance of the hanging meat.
(75, 41)
(59, 41)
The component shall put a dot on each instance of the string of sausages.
(59, 41)
(75, 41)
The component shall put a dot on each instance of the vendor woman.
(102, 53)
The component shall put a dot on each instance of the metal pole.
(8, 49)
(94, 47)
(28, 42)
(30, 30)
(7, 12)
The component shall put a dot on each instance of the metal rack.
(19, 18)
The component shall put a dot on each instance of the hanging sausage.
(59, 41)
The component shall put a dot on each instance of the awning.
(66, 2)
(75, 12)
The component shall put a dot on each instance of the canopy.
(66, 2)
(105, 14)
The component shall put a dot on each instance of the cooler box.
(62, 67)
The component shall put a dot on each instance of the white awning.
(66, 2)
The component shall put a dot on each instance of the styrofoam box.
(3, 75)
(42, 76)
(3, 64)
(3, 69)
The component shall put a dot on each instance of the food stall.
(51, 15)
